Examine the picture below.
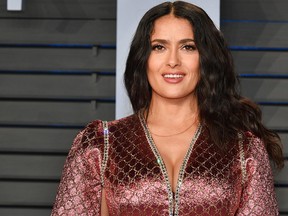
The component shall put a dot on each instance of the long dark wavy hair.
(221, 107)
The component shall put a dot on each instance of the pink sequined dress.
(121, 157)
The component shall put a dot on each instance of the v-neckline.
(172, 197)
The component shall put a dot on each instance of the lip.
(174, 77)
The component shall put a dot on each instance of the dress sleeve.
(79, 192)
(258, 196)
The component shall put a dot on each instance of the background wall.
(57, 72)
(256, 31)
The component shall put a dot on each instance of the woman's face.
(173, 65)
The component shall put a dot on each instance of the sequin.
(135, 184)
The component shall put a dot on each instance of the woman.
(193, 147)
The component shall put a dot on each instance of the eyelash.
(187, 47)
(158, 47)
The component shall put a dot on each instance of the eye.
(158, 47)
(189, 47)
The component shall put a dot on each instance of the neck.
(167, 118)
(176, 111)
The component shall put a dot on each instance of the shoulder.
(89, 137)
(129, 123)
(252, 142)
(124, 121)
(92, 136)
(93, 133)
(255, 150)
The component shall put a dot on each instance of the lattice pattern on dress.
(135, 185)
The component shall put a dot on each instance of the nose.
(173, 58)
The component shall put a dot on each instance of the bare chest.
(173, 152)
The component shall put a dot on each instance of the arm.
(79, 192)
(258, 196)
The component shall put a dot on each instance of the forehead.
(171, 25)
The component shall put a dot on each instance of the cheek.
(153, 63)
(152, 72)
(195, 66)
(149, 70)
(197, 77)
(195, 73)
(149, 65)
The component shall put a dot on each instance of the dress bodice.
(128, 166)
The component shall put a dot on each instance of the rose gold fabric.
(135, 185)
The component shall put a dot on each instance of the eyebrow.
(163, 41)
